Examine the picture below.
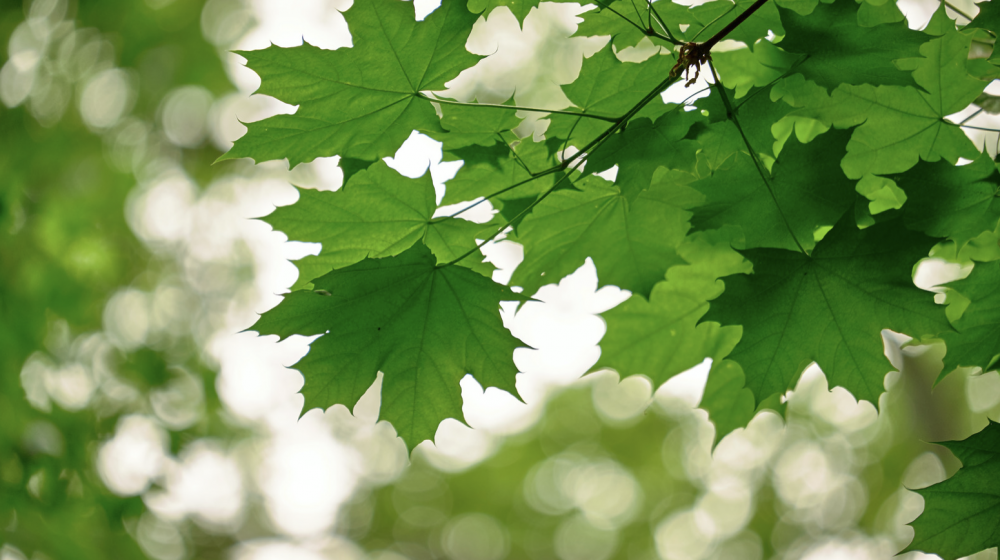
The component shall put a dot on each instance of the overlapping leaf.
(977, 342)
(379, 213)
(729, 404)
(632, 244)
(781, 209)
(836, 49)
(829, 307)
(901, 125)
(962, 514)
(955, 202)
(660, 336)
(643, 147)
(422, 325)
(757, 110)
(359, 102)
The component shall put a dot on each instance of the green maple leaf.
(804, 190)
(519, 8)
(728, 403)
(837, 49)
(901, 125)
(977, 340)
(829, 307)
(659, 336)
(662, 337)
(422, 325)
(743, 69)
(379, 213)
(360, 102)
(632, 244)
(608, 87)
(644, 146)
(961, 514)
(955, 202)
(988, 18)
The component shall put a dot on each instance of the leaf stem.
(977, 127)
(957, 11)
(607, 6)
(972, 116)
(764, 175)
(605, 118)
(670, 36)
(516, 156)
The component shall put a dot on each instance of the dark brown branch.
(696, 54)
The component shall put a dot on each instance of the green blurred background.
(137, 421)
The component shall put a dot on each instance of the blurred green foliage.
(65, 247)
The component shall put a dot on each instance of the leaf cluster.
(772, 224)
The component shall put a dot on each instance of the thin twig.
(957, 11)
(516, 108)
(503, 228)
(972, 116)
(670, 36)
(977, 127)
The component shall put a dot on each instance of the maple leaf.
(988, 18)
(379, 213)
(901, 125)
(829, 307)
(838, 50)
(961, 514)
(422, 325)
(728, 403)
(360, 102)
(781, 209)
(756, 111)
(955, 202)
(977, 340)
(659, 336)
(662, 337)
(632, 244)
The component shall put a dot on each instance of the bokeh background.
(138, 420)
